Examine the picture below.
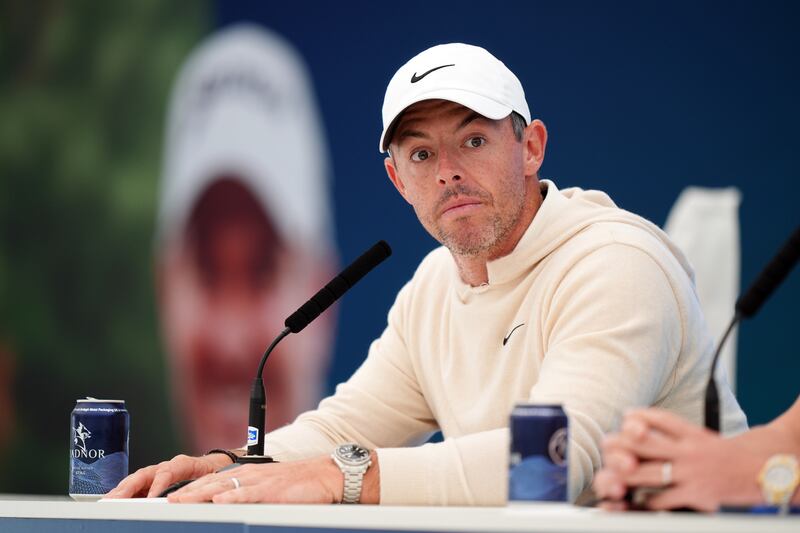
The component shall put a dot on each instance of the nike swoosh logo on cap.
(415, 78)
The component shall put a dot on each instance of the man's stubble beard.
(482, 239)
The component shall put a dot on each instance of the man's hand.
(684, 464)
(316, 480)
(152, 480)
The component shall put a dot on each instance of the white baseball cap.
(243, 106)
(460, 73)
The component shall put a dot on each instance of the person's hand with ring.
(316, 480)
(674, 464)
(151, 481)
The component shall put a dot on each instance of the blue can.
(98, 447)
(538, 462)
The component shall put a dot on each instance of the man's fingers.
(206, 485)
(163, 479)
(202, 482)
(207, 464)
(249, 478)
(180, 468)
(201, 492)
(131, 486)
(153, 480)
(116, 492)
(249, 494)
(292, 482)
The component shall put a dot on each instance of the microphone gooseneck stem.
(296, 322)
(712, 418)
(748, 305)
(269, 349)
(258, 403)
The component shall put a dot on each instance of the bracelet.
(232, 456)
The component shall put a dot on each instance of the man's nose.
(448, 168)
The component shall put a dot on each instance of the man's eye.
(475, 142)
(420, 155)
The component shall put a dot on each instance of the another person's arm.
(706, 470)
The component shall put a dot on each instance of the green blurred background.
(83, 89)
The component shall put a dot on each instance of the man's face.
(468, 178)
(223, 300)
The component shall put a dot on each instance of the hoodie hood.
(562, 215)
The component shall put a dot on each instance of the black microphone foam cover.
(772, 276)
(338, 286)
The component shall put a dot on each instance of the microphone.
(296, 322)
(748, 305)
(337, 287)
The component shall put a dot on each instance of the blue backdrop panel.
(640, 98)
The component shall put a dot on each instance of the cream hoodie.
(606, 318)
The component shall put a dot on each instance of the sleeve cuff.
(470, 470)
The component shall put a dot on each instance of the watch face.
(352, 453)
(779, 476)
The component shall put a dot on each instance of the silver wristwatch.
(353, 460)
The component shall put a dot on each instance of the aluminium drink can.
(98, 447)
(538, 462)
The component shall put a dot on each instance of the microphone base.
(255, 459)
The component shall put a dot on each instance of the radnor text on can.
(98, 447)
(538, 463)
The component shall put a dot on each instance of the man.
(538, 295)
(244, 233)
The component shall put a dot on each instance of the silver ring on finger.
(666, 473)
(236, 483)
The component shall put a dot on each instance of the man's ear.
(391, 170)
(535, 140)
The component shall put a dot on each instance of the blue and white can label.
(538, 462)
(98, 447)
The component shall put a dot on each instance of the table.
(40, 513)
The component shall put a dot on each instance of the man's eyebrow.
(406, 132)
(469, 118)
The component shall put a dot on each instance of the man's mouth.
(460, 206)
